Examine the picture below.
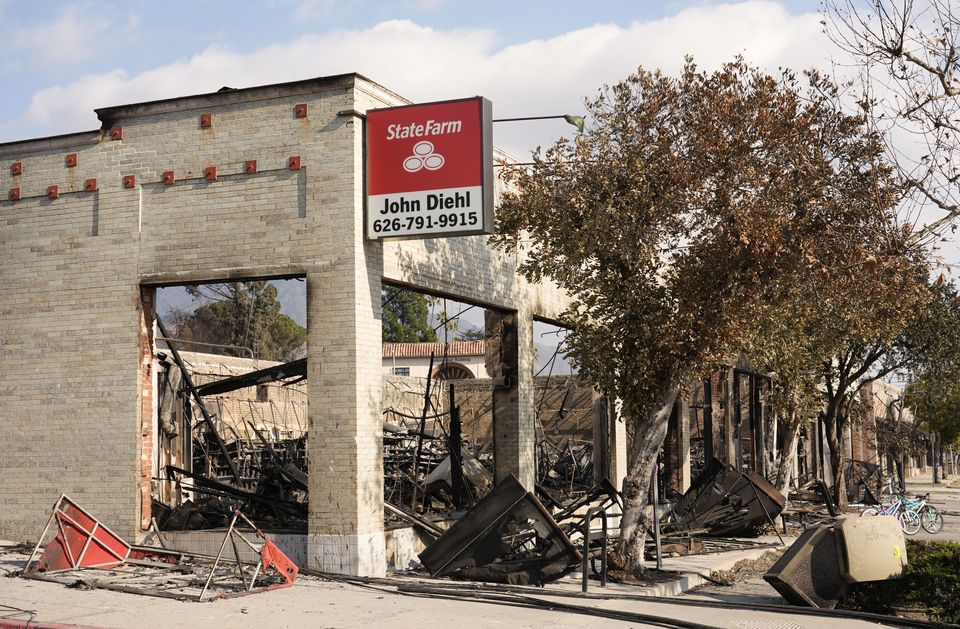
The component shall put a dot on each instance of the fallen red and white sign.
(85, 551)
(430, 170)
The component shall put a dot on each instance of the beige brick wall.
(68, 343)
(70, 268)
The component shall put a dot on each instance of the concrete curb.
(34, 624)
(692, 572)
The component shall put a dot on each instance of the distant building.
(457, 360)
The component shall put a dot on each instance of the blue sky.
(59, 60)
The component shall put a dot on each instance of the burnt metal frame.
(231, 536)
(140, 557)
(586, 547)
(199, 400)
(59, 515)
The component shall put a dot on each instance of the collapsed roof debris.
(725, 502)
(508, 537)
(295, 369)
(519, 542)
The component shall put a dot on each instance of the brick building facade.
(264, 182)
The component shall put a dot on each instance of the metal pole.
(423, 425)
(603, 551)
(526, 118)
(236, 553)
(456, 451)
(656, 516)
(585, 567)
(586, 548)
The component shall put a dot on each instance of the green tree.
(242, 314)
(934, 391)
(680, 217)
(925, 340)
(406, 317)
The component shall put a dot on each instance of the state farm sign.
(430, 170)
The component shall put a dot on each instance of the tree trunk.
(838, 463)
(787, 455)
(834, 424)
(936, 458)
(944, 470)
(901, 473)
(835, 445)
(649, 433)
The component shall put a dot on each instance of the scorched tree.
(682, 214)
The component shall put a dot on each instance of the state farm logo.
(423, 157)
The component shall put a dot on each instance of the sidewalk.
(314, 602)
(923, 483)
(692, 571)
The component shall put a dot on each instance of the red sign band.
(430, 170)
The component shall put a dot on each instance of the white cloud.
(79, 32)
(547, 76)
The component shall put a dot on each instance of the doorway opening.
(230, 423)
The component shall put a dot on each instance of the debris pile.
(508, 537)
(85, 553)
(565, 469)
(725, 502)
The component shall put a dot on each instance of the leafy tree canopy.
(934, 393)
(242, 314)
(406, 317)
(682, 218)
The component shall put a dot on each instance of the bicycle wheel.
(909, 522)
(931, 520)
(868, 512)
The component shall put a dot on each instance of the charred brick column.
(344, 445)
(145, 313)
(510, 363)
(600, 418)
(730, 447)
(671, 451)
(609, 441)
(683, 442)
(345, 442)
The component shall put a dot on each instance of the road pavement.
(315, 603)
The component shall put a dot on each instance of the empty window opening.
(434, 360)
(564, 416)
(231, 411)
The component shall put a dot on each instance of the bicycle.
(930, 518)
(909, 520)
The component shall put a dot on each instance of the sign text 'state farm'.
(430, 170)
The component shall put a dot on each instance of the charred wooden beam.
(203, 409)
(293, 369)
(201, 482)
